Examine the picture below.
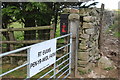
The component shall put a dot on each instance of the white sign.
(42, 55)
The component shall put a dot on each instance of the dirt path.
(111, 51)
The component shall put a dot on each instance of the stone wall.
(88, 52)
(89, 31)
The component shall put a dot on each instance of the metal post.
(70, 54)
(55, 69)
(74, 29)
(0, 40)
(28, 60)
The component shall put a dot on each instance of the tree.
(7, 18)
(29, 13)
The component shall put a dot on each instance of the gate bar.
(63, 46)
(66, 76)
(60, 70)
(64, 72)
(14, 51)
(62, 63)
(62, 57)
(64, 36)
(70, 56)
(13, 69)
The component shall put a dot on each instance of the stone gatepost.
(74, 29)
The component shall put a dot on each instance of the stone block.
(74, 11)
(73, 16)
(104, 62)
(84, 36)
(98, 22)
(83, 46)
(96, 42)
(84, 11)
(97, 57)
(93, 44)
(92, 52)
(89, 49)
(96, 37)
(83, 71)
(80, 32)
(95, 24)
(87, 25)
(82, 62)
(81, 11)
(84, 56)
(89, 67)
(68, 10)
(97, 50)
(90, 31)
(92, 35)
(89, 18)
(82, 50)
(94, 12)
(83, 42)
(89, 44)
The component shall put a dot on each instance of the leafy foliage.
(20, 11)
(35, 13)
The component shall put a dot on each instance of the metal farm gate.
(61, 68)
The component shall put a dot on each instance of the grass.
(14, 74)
(108, 68)
(117, 34)
(114, 28)
(81, 72)
(22, 72)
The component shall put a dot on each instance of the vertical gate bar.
(70, 52)
(55, 64)
(28, 60)
(55, 69)
(0, 40)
